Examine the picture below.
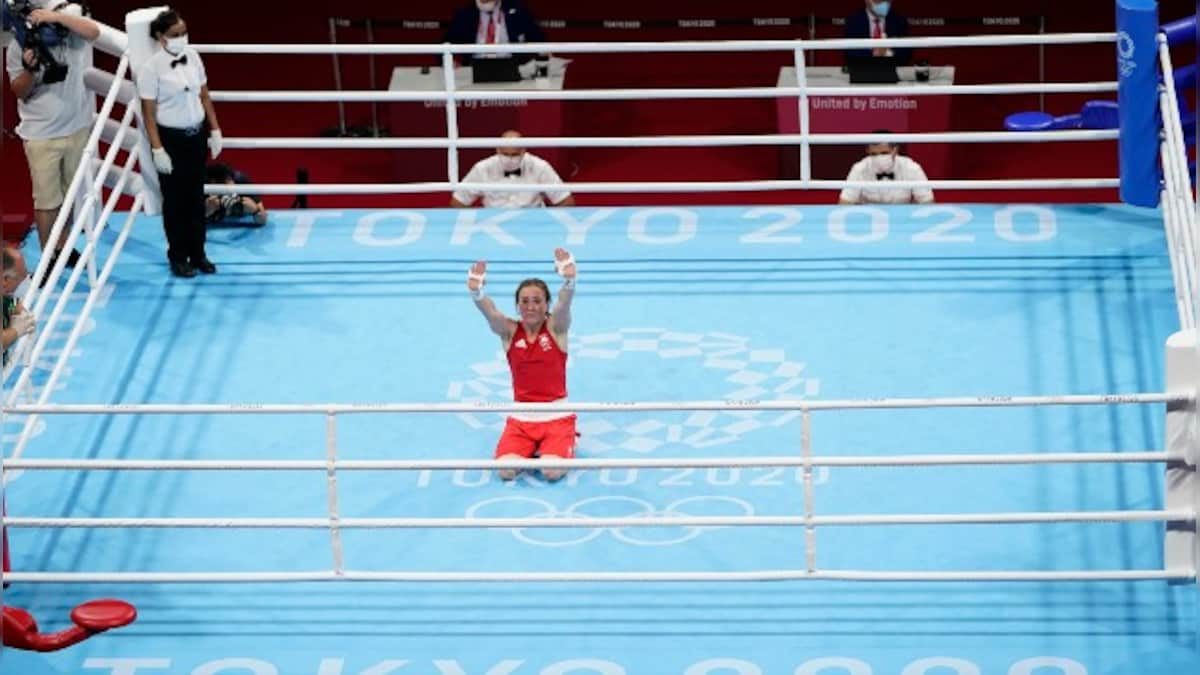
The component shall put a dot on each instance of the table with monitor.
(427, 119)
(863, 114)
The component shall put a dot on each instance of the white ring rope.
(667, 186)
(575, 577)
(1181, 225)
(1013, 518)
(644, 406)
(679, 46)
(1131, 457)
(395, 143)
(451, 93)
(306, 96)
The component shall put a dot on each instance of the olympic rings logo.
(609, 506)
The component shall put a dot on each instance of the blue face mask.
(881, 8)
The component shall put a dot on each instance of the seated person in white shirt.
(885, 163)
(513, 165)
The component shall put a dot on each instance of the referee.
(179, 118)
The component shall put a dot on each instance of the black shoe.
(72, 258)
(204, 265)
(182, 269)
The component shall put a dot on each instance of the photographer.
(232, 208)
(55, 107)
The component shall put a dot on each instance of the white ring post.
(451, 119)
(810, 531)
(802, 102)
(140, 48)
(1182, 542)
(335, 532)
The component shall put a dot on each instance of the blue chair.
(1040, 121)
(1100, 115)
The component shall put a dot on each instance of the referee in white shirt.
(513, 165)
(883, 164)
(179, 118)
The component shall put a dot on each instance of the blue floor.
(673, 304)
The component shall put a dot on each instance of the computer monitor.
(873, 70)
(494, 70)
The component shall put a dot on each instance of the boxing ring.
(941, 430)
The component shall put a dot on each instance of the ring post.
(1137, 83)
(1182, 542)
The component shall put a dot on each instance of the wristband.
(477, 294)
(568, 284)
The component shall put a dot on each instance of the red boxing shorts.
(538, 439)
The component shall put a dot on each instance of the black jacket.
(518, 21)
(895, 25)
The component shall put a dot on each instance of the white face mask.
(883, 163)
(509, 163)
(486, 5)
(176, 45)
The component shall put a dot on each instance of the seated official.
(494, 22)
(232, 208)
(876, 20)
(18, 321)
(882, 164)
(513, 165)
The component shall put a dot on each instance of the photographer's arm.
(80, 25)
(26, 80)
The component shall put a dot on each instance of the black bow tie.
(889, 175)
(514, 172)
(179, 61)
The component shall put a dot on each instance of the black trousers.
(183, 192)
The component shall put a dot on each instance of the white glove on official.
(24, 323)
(214, 142)
(162, 161)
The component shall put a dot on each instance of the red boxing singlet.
(539, 367)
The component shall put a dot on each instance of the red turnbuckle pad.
(102, 615)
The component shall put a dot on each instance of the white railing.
(335, 522)
(88, 210)
(1180, 230)
(452, 95)
(1179, 211)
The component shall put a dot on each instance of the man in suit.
(494, 22)
(877, 20)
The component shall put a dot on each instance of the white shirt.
(534, 171)
(496, 15)
(176, 90)
(60, 109)
(905, 168)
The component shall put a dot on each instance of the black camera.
(38, 38)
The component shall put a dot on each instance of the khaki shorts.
(52, 165)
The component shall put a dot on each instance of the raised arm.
(499, 323)
(564, 263)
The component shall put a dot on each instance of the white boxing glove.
(214, 142)
(527, 69)
(24, 323)
(162, 161)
